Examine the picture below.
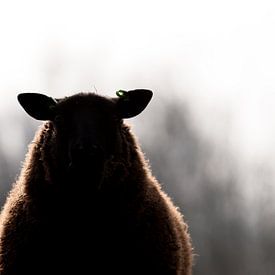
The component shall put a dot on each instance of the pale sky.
(216, 55)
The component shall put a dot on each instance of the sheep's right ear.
(38, 106)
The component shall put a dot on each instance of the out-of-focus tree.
(10, 164)
(205, 184)
(5, 175)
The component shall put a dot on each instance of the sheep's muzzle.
(86, 163)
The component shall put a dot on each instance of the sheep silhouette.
(85, 201)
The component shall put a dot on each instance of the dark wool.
(56, 223)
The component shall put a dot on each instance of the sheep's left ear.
(38, 106)
(132, 103)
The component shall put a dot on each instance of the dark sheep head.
(86, 127)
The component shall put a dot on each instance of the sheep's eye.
(58, 119)
(118, 120)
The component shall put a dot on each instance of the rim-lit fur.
(50, 225)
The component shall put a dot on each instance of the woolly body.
(107, 215)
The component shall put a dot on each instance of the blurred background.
(209, 131)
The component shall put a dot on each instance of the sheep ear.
(38, 106)
(133, 102)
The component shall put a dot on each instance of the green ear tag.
(122, 94)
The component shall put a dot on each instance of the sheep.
(86, 201)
